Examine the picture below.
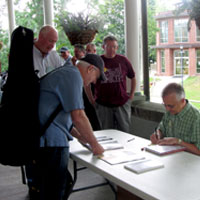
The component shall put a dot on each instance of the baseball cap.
(63, 49)
(97, 61)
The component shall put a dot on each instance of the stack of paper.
(144, 165)
(164, 149)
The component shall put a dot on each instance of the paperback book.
(164, 149)
(144, 165)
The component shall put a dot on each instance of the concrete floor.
(11, 187)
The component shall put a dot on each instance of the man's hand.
(168, 141)
(155, 137)
(97, 149)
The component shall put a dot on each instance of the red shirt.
(112, 92)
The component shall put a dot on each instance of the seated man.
(181, 123)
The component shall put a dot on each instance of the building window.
(164, 31)
(198, 61)
(181, 62)
(162, 53)
(180, 30)
(197, 34)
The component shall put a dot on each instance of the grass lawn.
(192, 90)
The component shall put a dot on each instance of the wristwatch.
(179, 141)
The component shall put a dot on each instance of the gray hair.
(174, 88)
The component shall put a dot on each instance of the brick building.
(178, 50)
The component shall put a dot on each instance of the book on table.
(164, 149)
(142, 166)
(120, 156)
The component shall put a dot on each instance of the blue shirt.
(63, 85)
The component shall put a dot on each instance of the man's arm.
(133, 86)
(176, 141)
(192, 147)
(88, 92)
(74, 132)
(83, 126)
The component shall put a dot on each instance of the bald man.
(45, 58)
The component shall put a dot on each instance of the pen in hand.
(157, 134)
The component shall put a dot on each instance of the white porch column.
(48, 12)
(11, 16)
(132, 38)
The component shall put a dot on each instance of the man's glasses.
(169, 106)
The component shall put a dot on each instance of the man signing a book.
(181, 122)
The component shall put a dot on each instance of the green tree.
(4, 51)
(152, 28)
(111, 10)
(113, 13)
(31, 16)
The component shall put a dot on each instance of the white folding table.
(178, 180)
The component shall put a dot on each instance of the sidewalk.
(158, 85)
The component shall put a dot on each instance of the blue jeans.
(49, 172)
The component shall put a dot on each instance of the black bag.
(19, 122)
(20, 129)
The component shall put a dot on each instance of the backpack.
(20, 129)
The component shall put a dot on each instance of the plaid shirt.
(185, 125)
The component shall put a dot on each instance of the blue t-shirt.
(64, 85)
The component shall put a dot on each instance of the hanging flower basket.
(80, 29)
(81, 37)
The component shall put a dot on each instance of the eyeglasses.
(169, 106)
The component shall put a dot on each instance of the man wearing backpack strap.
(64, 86)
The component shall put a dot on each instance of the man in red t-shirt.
(112, 102)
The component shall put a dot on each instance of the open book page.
(120, 156)
(164, 149)
(107, 143)
(144, 165)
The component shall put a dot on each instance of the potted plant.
(193, 9)
(80, 28)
